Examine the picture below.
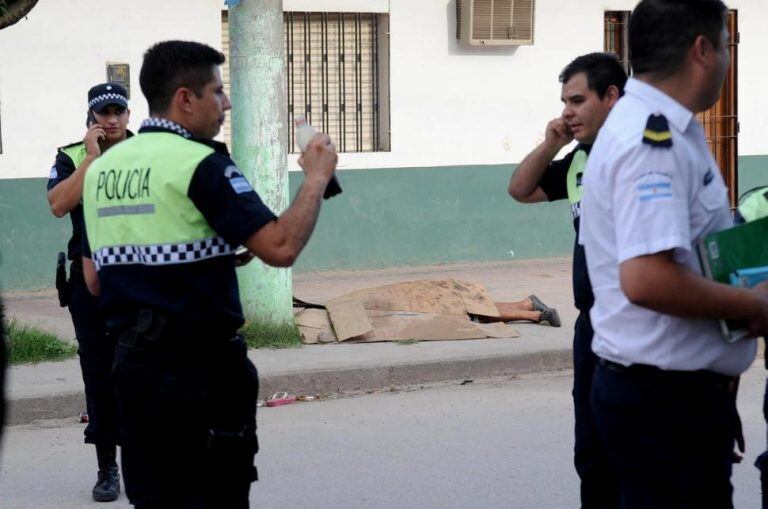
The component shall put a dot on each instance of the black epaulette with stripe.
(657, 133)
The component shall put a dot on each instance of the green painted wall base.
(384, 218)
(30, 236)
(419, 216)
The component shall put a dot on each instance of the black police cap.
(105, 94)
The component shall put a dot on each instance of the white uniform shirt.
(641, 199)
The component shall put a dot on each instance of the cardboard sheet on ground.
(314, 326)
(419, 310)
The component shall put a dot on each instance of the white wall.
(450, 105)
(48, 62)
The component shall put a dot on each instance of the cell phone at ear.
(91, 119)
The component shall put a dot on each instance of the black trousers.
(669, 436)
(188, 421)
(96, 350)
(599, 488)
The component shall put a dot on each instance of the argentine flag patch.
(236, 180)
(653, 186)
(240, 185)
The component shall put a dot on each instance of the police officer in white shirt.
(661, 398)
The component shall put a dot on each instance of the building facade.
(431, 128)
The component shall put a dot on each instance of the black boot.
(107, 487)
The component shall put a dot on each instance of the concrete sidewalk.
(55, 389)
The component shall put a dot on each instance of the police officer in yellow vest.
(754, 205)
(592, 84)
(107, 123)
(164, 212)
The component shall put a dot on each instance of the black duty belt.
(648, 372)
(155, 327)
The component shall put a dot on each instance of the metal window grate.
(336, 75)
(332, 76)
(616, 36)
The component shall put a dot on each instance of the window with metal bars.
(336, 77)
(616, 36)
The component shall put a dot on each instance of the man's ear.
(612, 95)
(183, 99)
(702, 50)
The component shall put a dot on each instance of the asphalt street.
(487, 444)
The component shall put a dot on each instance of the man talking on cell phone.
(107, 123)
(592, 85)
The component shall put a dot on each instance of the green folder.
(740, 247)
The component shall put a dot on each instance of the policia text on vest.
(119, 184)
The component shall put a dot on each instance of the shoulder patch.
(654, 186)
(657, 133)
(236, 179)
(71, 145)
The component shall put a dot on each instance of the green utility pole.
(259, 134)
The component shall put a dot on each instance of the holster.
(62, 285)
(149, 327)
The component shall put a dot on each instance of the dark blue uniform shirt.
(554, 185)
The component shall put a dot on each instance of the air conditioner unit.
(494, 22)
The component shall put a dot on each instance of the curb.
(333, 381)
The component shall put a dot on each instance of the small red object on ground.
(281, 398)
(83, 416)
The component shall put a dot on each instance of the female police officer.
(107, 125)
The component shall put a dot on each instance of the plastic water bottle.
(304, 133)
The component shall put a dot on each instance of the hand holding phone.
(95, 133)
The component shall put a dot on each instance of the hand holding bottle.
(305, 134)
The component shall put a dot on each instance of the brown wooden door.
(721, 121)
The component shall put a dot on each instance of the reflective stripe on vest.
(136, 206)
(573, 179)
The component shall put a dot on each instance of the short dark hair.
(662, 31)
(169, 65)
(602, 70)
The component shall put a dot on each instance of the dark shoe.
(538, 305)
(551, 317)
(107, 487)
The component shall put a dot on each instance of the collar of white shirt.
(677, 114)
